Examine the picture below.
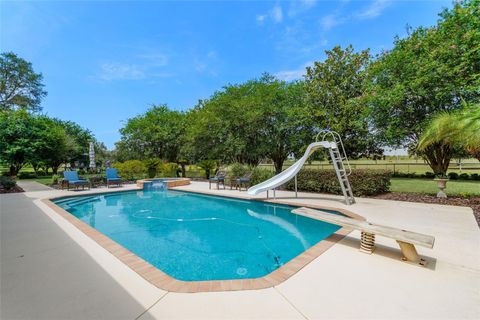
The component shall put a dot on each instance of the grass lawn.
(454, 187)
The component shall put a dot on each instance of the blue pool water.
(194, 237)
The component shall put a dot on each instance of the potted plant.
(441, 184)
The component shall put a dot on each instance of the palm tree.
(449, 130)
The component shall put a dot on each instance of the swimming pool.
(195, 237)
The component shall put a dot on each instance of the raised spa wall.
(171, 182)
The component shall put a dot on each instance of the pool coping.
(163, 281)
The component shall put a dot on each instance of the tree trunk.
(15, 169)
(438, 158)
(278, 163)
(184, 171)
(35, 167)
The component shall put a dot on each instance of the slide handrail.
(338, 141)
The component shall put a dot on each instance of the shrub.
(261, 174)
(453, 175)
(152, 166)
(464, 176)
(237, 170)
(429, 175)
(364, 182)
(7, 183)
(131, 169)
(475, 176)
(55, 179)
(208, 166)
(169, 169)
(27, 175)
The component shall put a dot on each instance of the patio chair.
(243, 181)
(219, 179)
(72, 179)
(112, 177)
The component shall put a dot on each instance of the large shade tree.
(20, 86)
(430, 71)
(155, 134)
(248, 122)
(334, 90)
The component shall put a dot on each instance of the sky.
(106, 61)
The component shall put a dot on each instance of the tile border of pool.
(165, 282)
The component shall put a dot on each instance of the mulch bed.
(13, 190)
(473, 202)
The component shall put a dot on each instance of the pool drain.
(241, 271)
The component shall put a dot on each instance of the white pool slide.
(285, 176)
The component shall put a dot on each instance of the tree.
(20, 86)
(16, 139)
(78, 142)
(334, 90)
(51, 144)
(248, 122)
(155, 134)
(430, 71)
(450, 130)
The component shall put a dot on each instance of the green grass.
(430, 187)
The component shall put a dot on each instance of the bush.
(237, 170)
(55, 179)
(429, 175)
(152, 166)
(7, 183)
(131, 169)
(208, 166)
(364, 182)
(453, 176)
(169, 170)
(475, 176)
(261, 174)
(27, 175)
(464, 176)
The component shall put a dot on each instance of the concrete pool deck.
(76, 275)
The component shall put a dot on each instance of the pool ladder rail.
(340, 163)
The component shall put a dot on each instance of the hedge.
(364, 182)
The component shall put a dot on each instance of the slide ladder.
(338, 157)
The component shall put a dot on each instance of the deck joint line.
(148, 309)
(290, 303)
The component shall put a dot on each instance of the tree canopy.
(248, 122)
(334, 88)
(155, 134)
(20, 86)
(433, 70)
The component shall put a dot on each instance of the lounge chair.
(244, 180)
(112, 177)
(72, 179)
(219, 179)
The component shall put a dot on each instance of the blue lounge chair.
(112, 177)
(72, 179)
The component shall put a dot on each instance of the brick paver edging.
(163, 281)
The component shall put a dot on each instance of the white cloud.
(261, 18)
(374, 9)
(119, 71)
(140, 66)
(300, 6)
(295, 74)
(155, 59)
(330, 21)
(275, 14)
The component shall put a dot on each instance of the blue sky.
(106, 61)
